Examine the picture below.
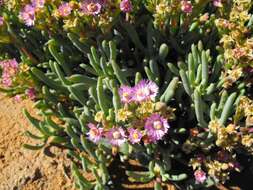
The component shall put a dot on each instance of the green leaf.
(33, 147)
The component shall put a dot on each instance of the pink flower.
(186, 6)
(64, 9)
(145, 90)
(10, 69)
(1, 20)
(6, 80)
(134, 135)
(156, 127)
(17, 98)
(95, 133)
(27, 14)
(126, 6)
(217, 3)
(92, 7)
(31, 93)
(250, 130)
(116, 136)
(126, 94)
(10, 65)
(200, 176)
(38, 3)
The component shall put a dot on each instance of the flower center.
(116, 135)
(126, 95)
(93, 132)
(135, 135)
(143, 92)
(65, 10)
(92, 7)
(157, 125)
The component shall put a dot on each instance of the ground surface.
(22, 169)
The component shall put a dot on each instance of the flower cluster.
(87, 9)
(227, 137)
(27, 14)
(244, 114)
(231, 76)
(232, 137)
(245, 110)
(164, 12)
(140, 119)
(144, 91)
(15, 74)
(217, 166)
(99, 13)
(9, 70)
(235, 39)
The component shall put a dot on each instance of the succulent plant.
(147, 84)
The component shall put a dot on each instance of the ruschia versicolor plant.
(164, 83)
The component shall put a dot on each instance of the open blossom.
(1, 20)
(92, 7)
(145, 90)
(126, 94)
(217, 3)
(116, 136)
(186, 6)
(95, 133)
(64, 9)
(31, 93)
(200, 176)
(134, 135)
(38, 3)
(10, 69)
(27, 14)
(156, 127)
(10, 66)
(126, 6)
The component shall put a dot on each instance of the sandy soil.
(22, 169)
